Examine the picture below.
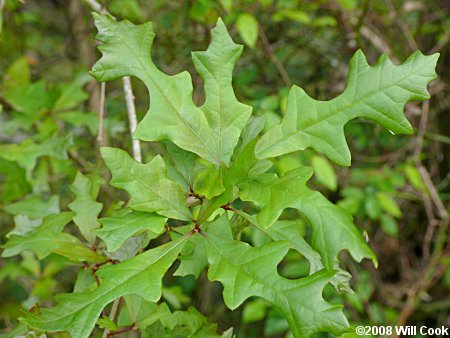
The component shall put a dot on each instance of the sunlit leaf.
(377, 93)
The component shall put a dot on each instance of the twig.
(128, 89)
(96, 6)
(101, 113)
(432, 270)
(125, 329)
(2, 6)
(131, 109)
(422, 128)
(269, 51)
(376, 40)
(441, 43)
(443, 214)
(428, 277)
(112, 315)
(406, 32)
(76, 156)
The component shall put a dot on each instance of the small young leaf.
(414, 178)
(389, 225)
(247, 27)
(388, 204)
(324, 172)
(116, 230)
(85, 207)
(147, 184)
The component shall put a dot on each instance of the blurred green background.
(397, 188)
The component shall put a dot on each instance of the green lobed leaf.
(190, 323)
(85, 206)
(18, 73)
(42, 239)
(30, 98)
(117, 229)
(34, 207)
(377, 92)
(247, 27)
(147, 184)
(126, 51)
(24, 225)
(72, 94)
(211, 131)
(142, 275)
(332, 228)
(48, 238)
(27, 152)
(225, 114)
(247, 271)
(290, 231)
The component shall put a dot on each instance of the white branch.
(101, 113)
(128, 90)
(131, 108)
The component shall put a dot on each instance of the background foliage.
(397, 188)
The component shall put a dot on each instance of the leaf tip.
(358, 57)
(220, 23)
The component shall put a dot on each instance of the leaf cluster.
(215, 176)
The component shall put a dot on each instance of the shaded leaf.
(27, 153)
(34, 207)
(247, 27)
(116, 230)
(388, 204)
(324, 172)
(47, 238)
(85, 207)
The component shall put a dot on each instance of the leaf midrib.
(161, 197)
(149, 76)
(280, 293)
(116, 286)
